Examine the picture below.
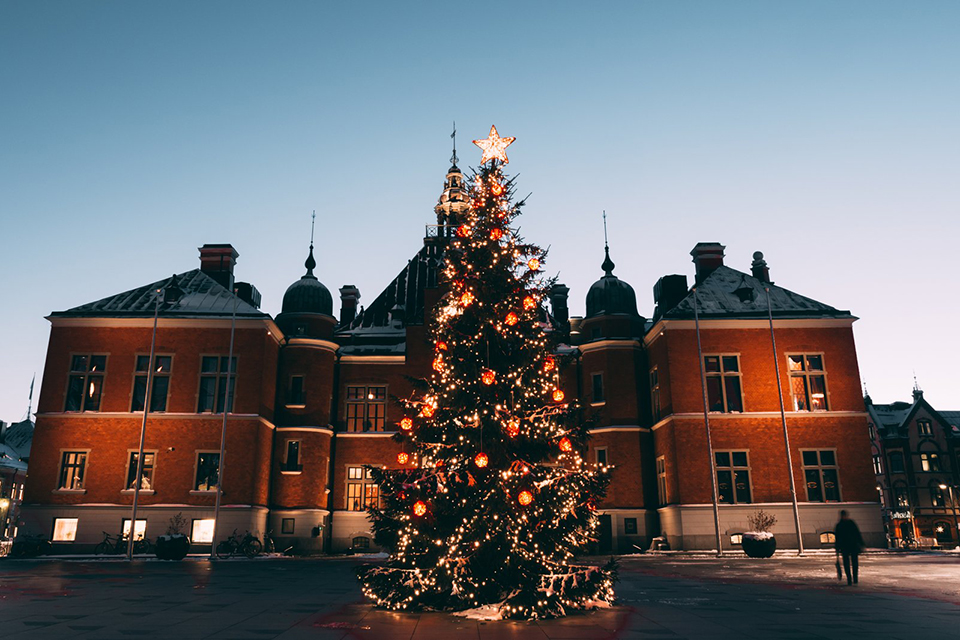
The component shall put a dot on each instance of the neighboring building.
(15, 442)
(916, 459)
(316, 402)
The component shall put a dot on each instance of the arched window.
(827, 538)
(896, 462)
(361, 543)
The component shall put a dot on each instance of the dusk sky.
(825, 134)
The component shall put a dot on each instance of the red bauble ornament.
(534, 264)
(419, 508)
(557, 395)
(466, 299)
(441, 345)
(565, 444)
(511, 319)
(524, 498)
(403, 458)
(463, 231)
(496, 234)
(549, 364)
(406, 424)
(488, 377)
(427, 411)
(481, 460)
(438, 364)
(529, 303)
(496, 189)
(513, 428)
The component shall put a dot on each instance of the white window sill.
(598, 404)
(143, 492)
(291, 473)
(69, 491)
(295, 406)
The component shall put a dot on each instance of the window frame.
(61, 467)
(594, 401)
(626, 529)
(925, 428)
(820, 467)
(365, 403)
(53, 529)
(283, 526)
(196, 470)
(301, 402)
(153, 379)
(125, 528)
(733, 469)
(606, 458)
(930, 462)
(230, 406)
(661, 466)
(194, 539)
(901, 468)
(71, 374)
(806, 373)
(363, 481)
(656, 410)
(131, 469)
(722, 375)
(285, 466)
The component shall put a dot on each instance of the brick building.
(314, 403)
(916, 459)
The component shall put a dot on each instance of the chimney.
(349, 296)
(558, 303)
(668, 292)
(759, 268)
(217, 261)
(249, 294)
(707, 256)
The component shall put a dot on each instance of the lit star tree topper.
(500, 498)
(494, 147)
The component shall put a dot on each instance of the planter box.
(757, 547)
(172, 547)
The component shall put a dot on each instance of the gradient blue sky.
(822, 133)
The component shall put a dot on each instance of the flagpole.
(706, 424)
(223, 429)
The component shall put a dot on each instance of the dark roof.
(953, 417)
(610, 294)
(19, 436)
(203, 297)
(895, 418)
(728, 293)
(308, 295)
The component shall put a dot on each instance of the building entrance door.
(606, 534)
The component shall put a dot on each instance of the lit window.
(161, 383)
(65, 529)
(73, 469)
(821, 476)
(366, 408)
(924, 427)
(877, 465)
(295, 397)
(208, 471)
(86, 383)
(929, 462)
(202, 531)
(140, 531)
(736, 538)
(901, 497)
(214, 377)
(827, 537)
(808, 382)
(287, 525)
(723, 383)
(662, 480)
(362, 491)
(361, 542)
(146, 476)
(733, 477)
(598, 396)
(936, 495)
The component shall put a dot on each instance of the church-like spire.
(454, 158)
(310, 263)
(608, 264)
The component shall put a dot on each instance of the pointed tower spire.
(454, 158)
(310, 263)
(608, 264)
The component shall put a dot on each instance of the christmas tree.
(494, 500)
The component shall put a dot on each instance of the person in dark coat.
(849, 544)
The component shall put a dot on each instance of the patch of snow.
(486, 612)
(758, 535)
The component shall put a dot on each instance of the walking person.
(849, 544)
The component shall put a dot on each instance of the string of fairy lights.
(495, 499)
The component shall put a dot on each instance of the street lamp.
(171, 294)
(953, 508)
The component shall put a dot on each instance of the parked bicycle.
(247, 544)
(27, 546)
(118, 544)
(269, 546)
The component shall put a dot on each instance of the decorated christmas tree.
(493, 500)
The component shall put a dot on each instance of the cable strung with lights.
(495, 499)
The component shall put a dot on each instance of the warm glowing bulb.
(466, 299)
(488, 377)
(534, 264)
(438, 364)
(420, 508)
(524, 498)
(403, 458)
(481, 460)
(406, 423)
(496, 188)
(549, 364)
(513, 428)
(427, 411)
(565, 444)
(557, 395)
(529, 303)
(441, 345)
(512, 319)
(496, 234)
(463, 231)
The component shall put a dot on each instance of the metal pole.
(706, 424)
(143, 432)
(956, 520)
(783, 421)
(223, 430)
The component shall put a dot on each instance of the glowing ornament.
(481, 460)
(488, 377)
(438, 364)
(529, 303)
(466, 299)
(427, 411)
(524, 498)
(512, 319)
(406, 423)
(557, 395)
(441, 345)
(496, 189)
(463, 231)
(496, 234)
(549, 364)
(403, 458)
(420, 508)
(534, 264)
(565, 444)
(494, 147)
(513, 428)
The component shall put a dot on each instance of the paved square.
(911, 596)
